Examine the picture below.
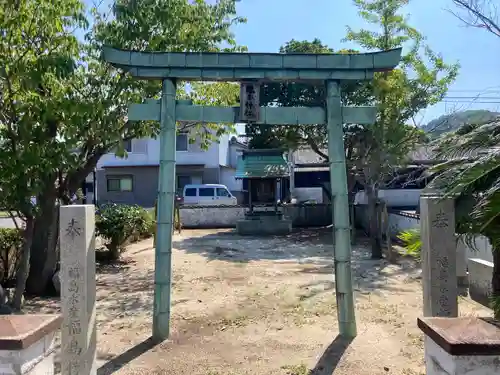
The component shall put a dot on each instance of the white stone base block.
(480, 276)
(29, 348)
(461, 346)
(439, 362)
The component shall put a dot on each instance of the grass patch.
(296, 369)
(236, 321)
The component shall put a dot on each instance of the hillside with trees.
(454, 121)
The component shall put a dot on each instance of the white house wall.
(227, 178)
(146, 152)
(224, 150)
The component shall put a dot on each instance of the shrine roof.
(226, 66)
(262, 164)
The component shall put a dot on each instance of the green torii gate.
(329, 69)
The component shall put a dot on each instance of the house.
(312, 178)
(134, 179)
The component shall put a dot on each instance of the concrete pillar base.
(27, 344)
(461, 346)
(264, 227)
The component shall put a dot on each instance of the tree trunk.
(44, 254)
(24, 267)
(390, 253)
(495, 282)
(374, 217)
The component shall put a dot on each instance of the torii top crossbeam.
(225, 66)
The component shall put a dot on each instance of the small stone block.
(312, 75)
(386, 59)
(282, 74)
(268, 226)
(218, 74)
(185, 73)
(333, 61)
(249, 74)
(141, 59)
(349, 75)
(299, 61)
(170, 59)
(266, 61)
(234, 60)
(467, 336)
(195, 60)
(361, 61)
(480, 276)
(18, 332)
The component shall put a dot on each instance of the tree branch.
(316, 149)
(481, 15)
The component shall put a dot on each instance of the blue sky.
(271, 23)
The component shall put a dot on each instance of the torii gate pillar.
(165, 219)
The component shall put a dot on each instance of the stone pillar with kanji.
(78, 290)
(439, 255)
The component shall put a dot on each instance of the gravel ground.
(253, 305)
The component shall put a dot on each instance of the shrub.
(149, 223)
(120, 224)
(412, 242)
(11, 242)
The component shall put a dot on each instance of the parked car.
(207, 195)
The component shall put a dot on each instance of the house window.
(181, 142)
(127, 145)
(119, 183)
(182, 181)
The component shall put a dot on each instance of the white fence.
(211, 217)
(478, 258)
(393, 197)
(400, 221)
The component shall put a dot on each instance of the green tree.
(295, 94)
(62, 107)
(224, 94)
(292, 94)
(421, 80)
(37, 55)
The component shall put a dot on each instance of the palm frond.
(468, 176)
(469, 140)
(487, 208)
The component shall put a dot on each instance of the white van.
(208, 195)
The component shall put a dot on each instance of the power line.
(474, 97)
(485, 91)
(470, 102)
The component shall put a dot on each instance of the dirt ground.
(258, 306)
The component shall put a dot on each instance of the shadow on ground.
(312, 248)
(331, 357)
(123, 359)
(130, 297)
(229, 246)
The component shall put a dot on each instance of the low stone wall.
(204, 217)
(480, 276)
(211, 217)
(309, 215)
